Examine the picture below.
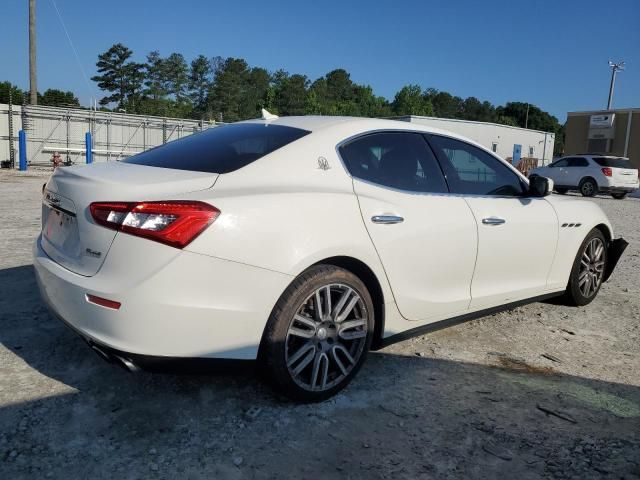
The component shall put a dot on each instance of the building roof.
(600, 112)
(408, 118)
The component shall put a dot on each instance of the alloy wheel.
(591, 267)
(587, 188)
(326, 337)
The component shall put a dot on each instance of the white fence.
(114, 135)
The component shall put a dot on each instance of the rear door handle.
(388, 219)
(493, 221)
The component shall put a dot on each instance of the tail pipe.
(109, 357)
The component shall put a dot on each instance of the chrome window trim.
(386, 130)
(524, 180)
(423, 133)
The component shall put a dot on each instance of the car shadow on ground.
(66, 413)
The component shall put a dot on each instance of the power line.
(75, 52)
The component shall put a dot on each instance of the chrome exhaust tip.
(123, 362)
(101, 353)
(127, 364)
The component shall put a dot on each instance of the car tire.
(588, 187)
(308, 352)
(588, 270)
(619, 195)
(561, 191)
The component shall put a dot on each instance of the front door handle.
(387, 219)
(493, 221)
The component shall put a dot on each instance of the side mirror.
(540, 186)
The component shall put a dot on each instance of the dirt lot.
(540, 391)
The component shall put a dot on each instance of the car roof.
(354, 126)
(316, 123)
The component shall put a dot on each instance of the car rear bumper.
(193, 306)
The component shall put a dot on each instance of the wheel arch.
(588, 177)
(606, 231)
(361, 270)
(370, 280)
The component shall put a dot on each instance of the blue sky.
(551, 53)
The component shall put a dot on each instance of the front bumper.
(614, 252)
(190, 306)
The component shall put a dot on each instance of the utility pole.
(526, 119)
(33, 86)
(615, 67)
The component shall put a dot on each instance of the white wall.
(4, 130)
(115, 135)
(487, 134)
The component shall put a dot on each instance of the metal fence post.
(89, 147)
(108, 138)
(22, 146)
(68, 124)
(12, 154)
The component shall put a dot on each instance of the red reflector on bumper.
(103, 302)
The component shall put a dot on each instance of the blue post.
(88, 147)
(22, 147)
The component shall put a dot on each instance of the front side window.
(577, 162)
(220, 149)
(471, 170)
(560, 163)
(399, 160)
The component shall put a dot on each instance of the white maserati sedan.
(305, 242)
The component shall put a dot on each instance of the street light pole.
(33, 87)
(615, 67)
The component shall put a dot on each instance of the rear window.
(220, 149)
(613, 162)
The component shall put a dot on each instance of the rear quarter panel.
(285, 213)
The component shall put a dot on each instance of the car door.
(425, 238)
(557, 172)
(576, 170)
(517, 234)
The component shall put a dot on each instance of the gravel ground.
(540, 391)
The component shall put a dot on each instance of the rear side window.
(220, 149)
(613, 162)
(400, 160)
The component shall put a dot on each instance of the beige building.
(613, 132)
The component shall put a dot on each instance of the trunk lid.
(70, 236)
(625, 176)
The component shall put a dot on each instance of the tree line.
(51, 96)
(229, 89)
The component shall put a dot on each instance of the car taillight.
(174, 222)
(607, 171)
